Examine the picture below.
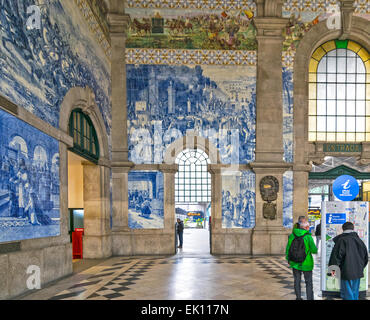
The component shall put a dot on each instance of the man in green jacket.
(301, 229)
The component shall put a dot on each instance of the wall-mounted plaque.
(269, 188)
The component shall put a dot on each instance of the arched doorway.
(88, 171)
(193, 199)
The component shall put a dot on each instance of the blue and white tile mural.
(238, 199)
(39, 66)
(146, 200)
(217, 102)
(288, 199)
(29, 181)
(288, 114)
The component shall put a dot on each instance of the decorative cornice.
(95, 26)
(118, 23)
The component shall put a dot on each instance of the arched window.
(193, 181)
(85, 142)
(339, 92)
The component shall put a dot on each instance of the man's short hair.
(301, 219)
(348, 226)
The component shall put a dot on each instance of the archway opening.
(193, 200)
(82, 162)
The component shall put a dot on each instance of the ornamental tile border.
(94, 26)
(362, 6)
(190, 57)
(192, 4)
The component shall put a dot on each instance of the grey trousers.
(297, 283)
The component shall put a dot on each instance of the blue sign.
(346, 188)
(335, 218)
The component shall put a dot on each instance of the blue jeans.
(180, 238)
(349, 289)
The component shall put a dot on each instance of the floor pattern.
(181, 277)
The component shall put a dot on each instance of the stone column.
(97, 241)
(118, 22)
(169, 171)
(269, 236)
(218, 243)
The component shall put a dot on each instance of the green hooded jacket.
(307, 264)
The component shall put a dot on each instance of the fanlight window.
(85, 142)
(339, 92)
(193, 181)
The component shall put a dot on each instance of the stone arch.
(97, 241)
(84, 98)
(191, 142)
(319, 34)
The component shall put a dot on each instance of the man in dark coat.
(180, 231)
(351, 256)
(318, 234)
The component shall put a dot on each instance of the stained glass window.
(339, 92)
(85, 142)
(193, 181)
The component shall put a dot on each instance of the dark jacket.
(350, 254)
(180, 227)
(318, 230)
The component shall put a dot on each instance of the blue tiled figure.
(29, 181)
(146, 200)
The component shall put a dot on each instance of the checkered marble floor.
(181, 277)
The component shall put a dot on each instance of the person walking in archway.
(180, 232)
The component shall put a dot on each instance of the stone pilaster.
(118, 22)
(347, 10)
(169, 171)
(269, 236)
(97, 240)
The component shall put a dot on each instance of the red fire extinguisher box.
(77, 244)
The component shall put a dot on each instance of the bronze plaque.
(269, 211)
(269, 188)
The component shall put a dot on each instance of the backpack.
(297, 250)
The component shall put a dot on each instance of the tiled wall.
(29, 181)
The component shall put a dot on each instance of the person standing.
(299, 250)
(351, 256)
(318, 234)
(180, 232)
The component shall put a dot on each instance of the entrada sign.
(342, 147)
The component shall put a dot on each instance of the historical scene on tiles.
(29, 182)
(238, 199)
(216, 102)
(145, 200)
(40, 64)
(288, 199)
(288, 114)
(191, 29)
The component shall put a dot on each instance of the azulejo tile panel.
(165, 102)
(238, 199)
(29, 182)
(288, 114)
(288, 199)
(191, 29)
(146, 200)
(39, 66)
